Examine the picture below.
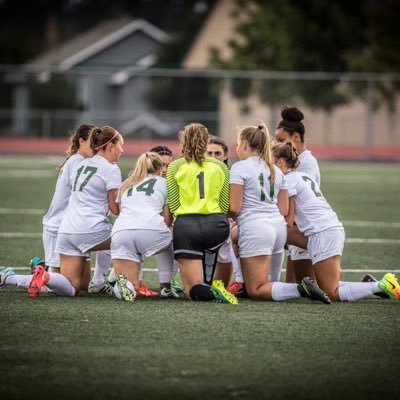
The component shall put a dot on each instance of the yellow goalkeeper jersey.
(198, 189)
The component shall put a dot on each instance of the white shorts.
(326, 244)
(51, 258)
(297, 253)
(224, 253)
(261, 236)
(136, 244)
(80, 244)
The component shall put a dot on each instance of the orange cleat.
(39, 279)
(144, 291)
(234, 287)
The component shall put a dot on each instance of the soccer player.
(85, 226)
(319, 230)
(141, 229)
(198, 196)
(292, 128)
(259, 202)
(166, 265)
(78, 150)
(218, 149)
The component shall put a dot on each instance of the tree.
(288, 35)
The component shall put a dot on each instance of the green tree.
(311, 35)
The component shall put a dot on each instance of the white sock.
(283, 291)
(238, 270)
(175, 267)
(60, 285)
(141, 271)
(165, 264)
(103, 262)
(275, 268)
(111, 276)
(357, 290)
(21, 281)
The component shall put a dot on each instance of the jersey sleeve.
(237, 175)
(114, 178)
(224, 197)
(291, 185)
(172, 185)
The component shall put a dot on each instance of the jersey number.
(147, 187)
(88, 170)
(263, 195)
(200, 177)
(313, 188)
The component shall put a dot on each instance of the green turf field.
(95, 347)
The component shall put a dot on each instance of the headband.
(106, 143)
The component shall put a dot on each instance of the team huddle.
(225, 230)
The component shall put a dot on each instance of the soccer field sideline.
(361, 270)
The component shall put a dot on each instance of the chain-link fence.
(340, 109)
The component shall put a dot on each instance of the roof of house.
(89, 43)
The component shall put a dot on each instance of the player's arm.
(283, 202)
(224, 196)
(172, 187)
(236, 199)
(112, 201)
(166, 213)
(290, 216)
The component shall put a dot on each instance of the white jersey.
(258, 196)
(309, 165)
(52, 219)
(313, 214)
(88, 205)
(142, 204)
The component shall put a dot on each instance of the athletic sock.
(60, 285)
(283, 291)
(275, 268)
(21, 281)
(103, 262)
(165, 261)
(111, 276)
(238, 270)
(357, 290)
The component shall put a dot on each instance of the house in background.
(102, 62)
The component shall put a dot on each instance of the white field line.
(28, 173)
(348, 240)
(361, 270)
(357, 178)
(370, 224)
(28, 211)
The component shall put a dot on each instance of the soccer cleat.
(166, 293)
(176, 286)
(37, 261)
(39, 279)
(309, 288)
(389, 284)
(371, 278)
(126, 293)
(4, 274)
(144, 291)
(101, 288)
(221, 294)
(234, 287)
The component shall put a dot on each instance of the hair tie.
(260, 127)
(106, 143)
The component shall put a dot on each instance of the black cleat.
(371, 278)
(309, 288)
